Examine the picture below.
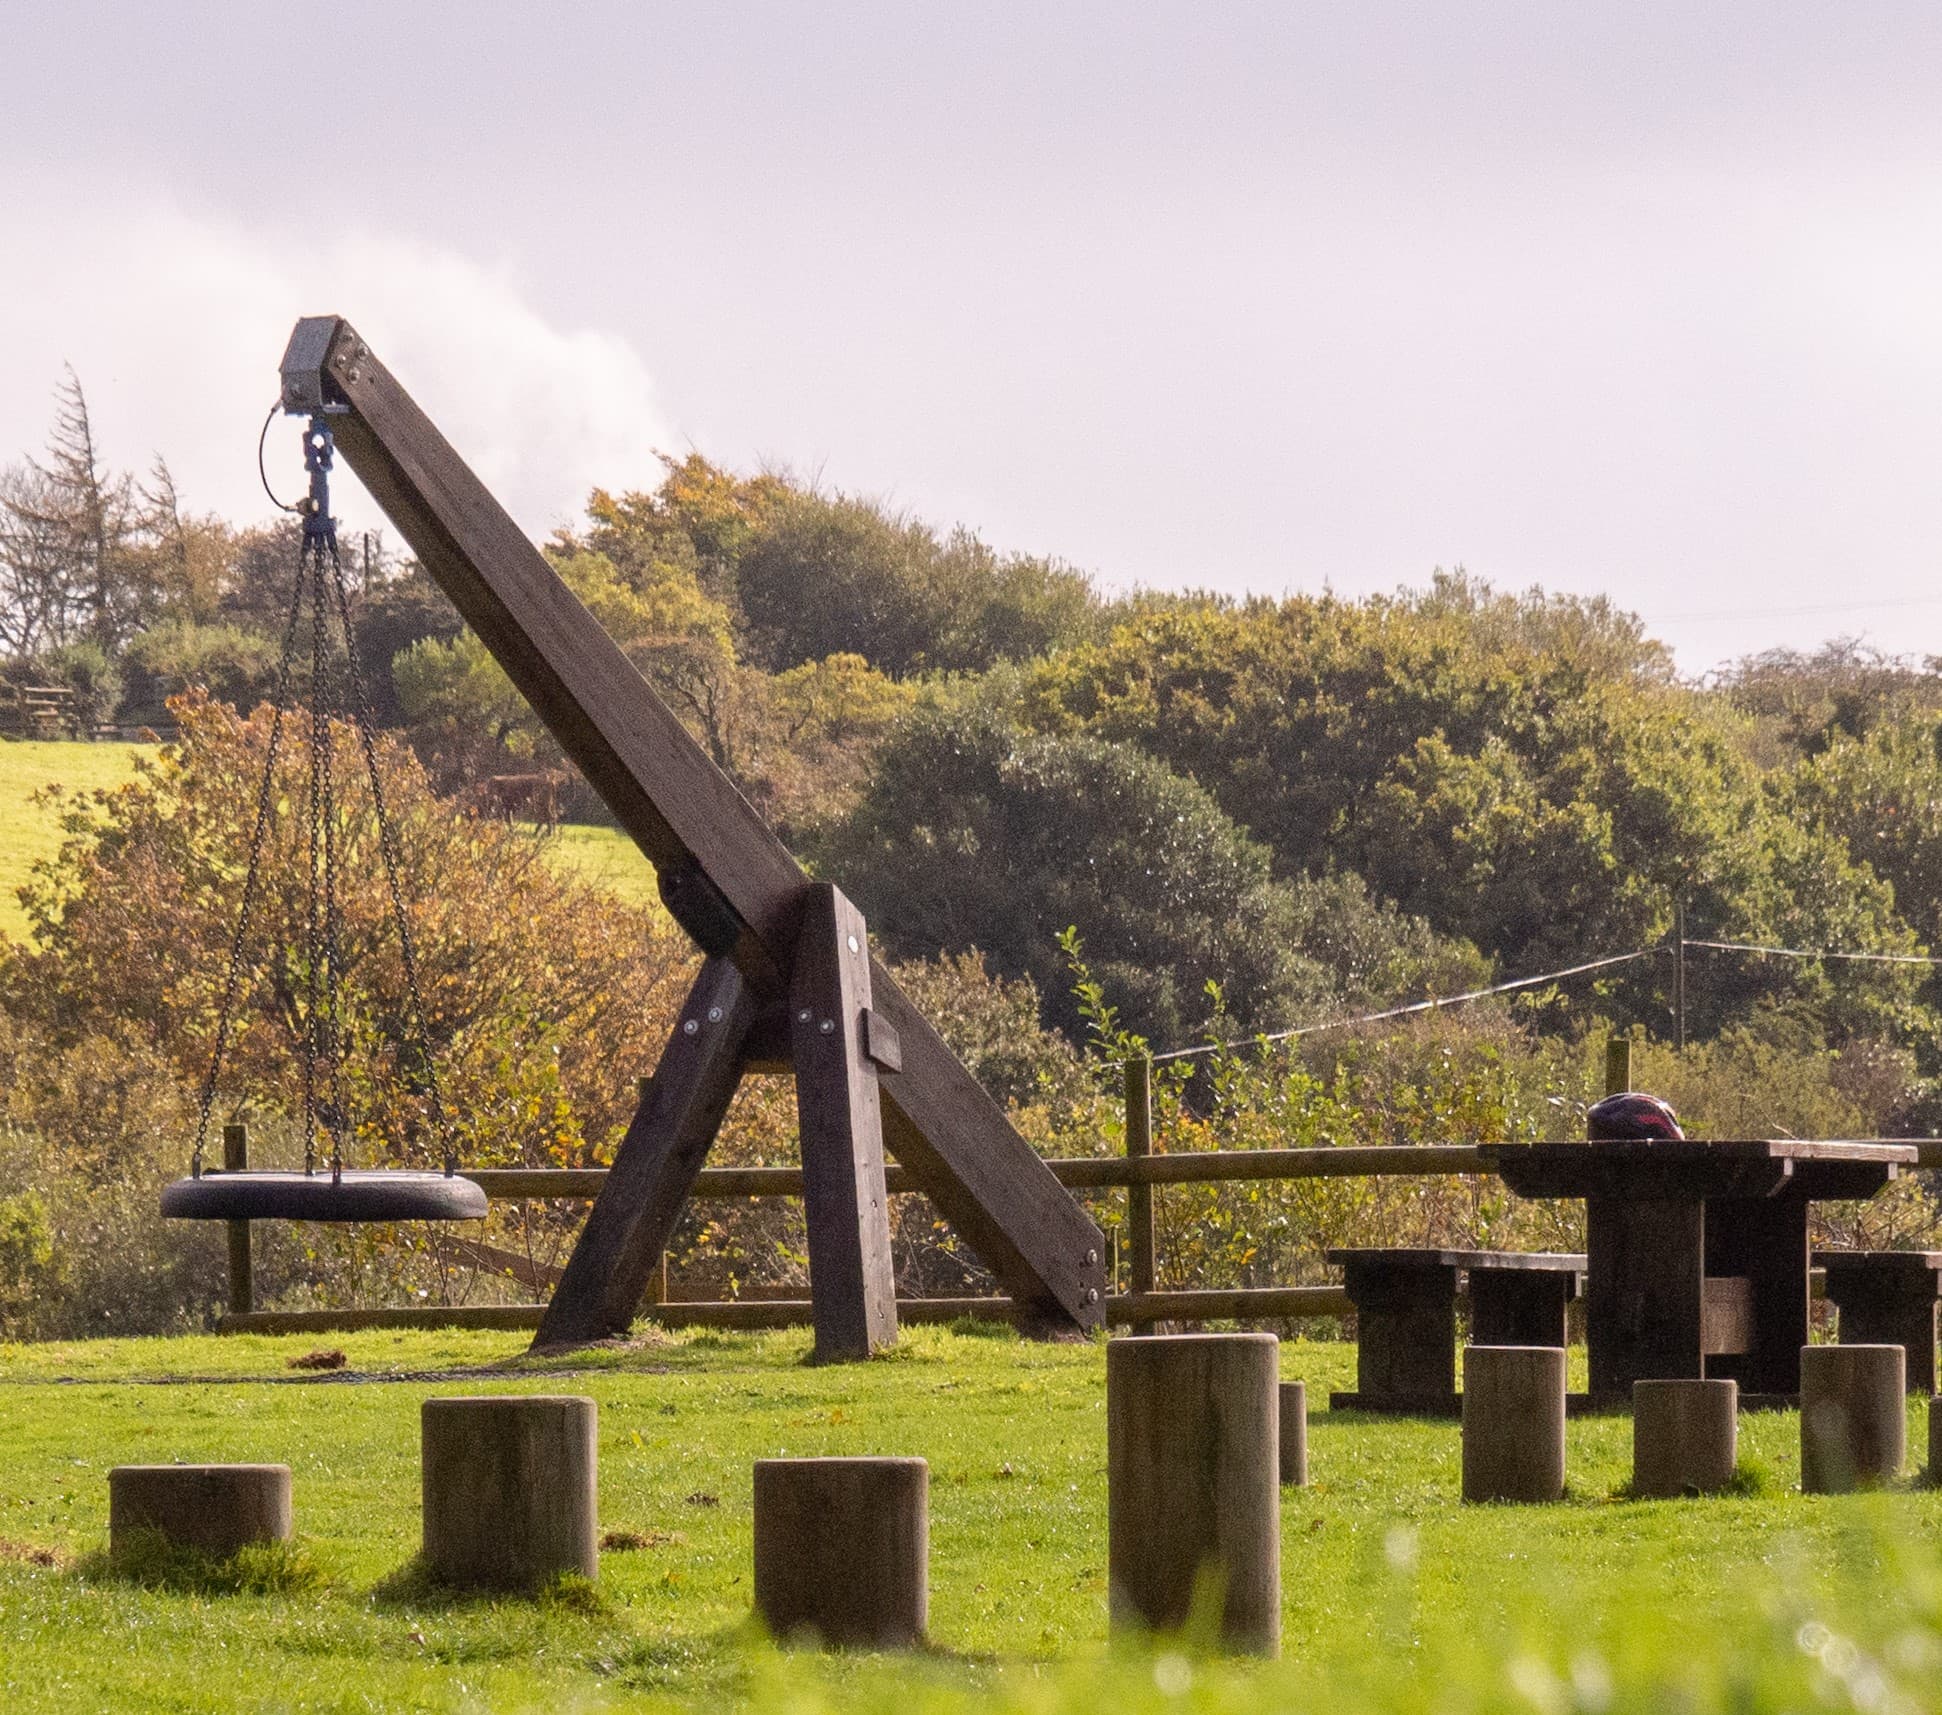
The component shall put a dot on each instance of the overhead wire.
(1265, 1039)
(1810, 953)
(1268, 1038)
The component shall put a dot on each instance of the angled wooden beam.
(845, 1207)
(655, 1166)
(726, 877)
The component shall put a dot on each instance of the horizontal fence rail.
(1078, 1173)
(1126, 1310)
(1103, 1172)
(1129, 1310)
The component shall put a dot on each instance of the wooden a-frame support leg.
(655, 1167)
(851, 1280)
(840, 1119)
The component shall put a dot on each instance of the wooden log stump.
(509, 1489)
(1513, 1423)
(1685, 1436)
(1192, 1498)
(215, 1509)
(842, 1550)
(1853, 1423)
(1294, 1433)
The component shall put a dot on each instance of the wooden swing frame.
(788, 983)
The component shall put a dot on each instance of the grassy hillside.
(607, 858)
(29, 832)
(1395, 1596)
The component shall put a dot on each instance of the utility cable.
(1413, 1007)
(1809, 953)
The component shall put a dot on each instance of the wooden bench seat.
(1888, 1298)
(1405, 1311)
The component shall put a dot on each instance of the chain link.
(320, 569)
(265, 797)
(388, 847)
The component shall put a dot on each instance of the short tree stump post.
(509, 1489)
(1294, 1434)
(1935, 1439)
(215, 1509)
(1193, 1497)
(842, 1550)
(1853, 1423)
(1685, 1436)
(1513, 1423)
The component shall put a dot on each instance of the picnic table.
(1696, 1252)
(1888, 1298)
(1405, 1312)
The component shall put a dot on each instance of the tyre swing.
(325, 1190)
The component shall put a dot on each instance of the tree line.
(1255, 813)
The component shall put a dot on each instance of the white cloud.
(174, 322)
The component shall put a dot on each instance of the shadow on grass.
(718, 1666)
(413, 1586)
(980, 1328)
(1750, 1477)
(149, 1559)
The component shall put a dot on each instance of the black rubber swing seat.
(378, 1194)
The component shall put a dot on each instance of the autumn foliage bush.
(544, 1000)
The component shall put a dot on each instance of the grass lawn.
(1396, 1597)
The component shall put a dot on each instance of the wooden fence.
(1136, 1172)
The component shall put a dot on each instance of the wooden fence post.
(1139, 1198)
(1618, 1065)
(242, 1282)
(1679, 974)
(657, 1275)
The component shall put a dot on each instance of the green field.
(1395, 1595)
(29, 832)
(607, 859)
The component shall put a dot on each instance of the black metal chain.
(388, 848)
(323, 812)
(265, 797)
(314, 967)
(320, 568)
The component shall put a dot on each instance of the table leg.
(1764, 1239)
(1896, 1313)
(1405, 1337)
(1645, 1262)
(1518, 1307)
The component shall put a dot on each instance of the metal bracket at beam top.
(307, 385)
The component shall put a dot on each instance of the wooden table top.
(1645, 1168)
(1871, 1263)
(1564, 1262)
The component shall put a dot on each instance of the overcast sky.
(1637, 299)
